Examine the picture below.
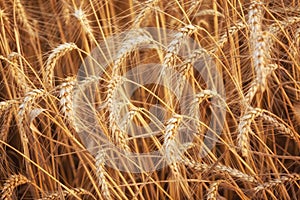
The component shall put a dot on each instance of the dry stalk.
(3, 18)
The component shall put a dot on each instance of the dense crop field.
(156, 99)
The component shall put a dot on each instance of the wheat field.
(206, 90)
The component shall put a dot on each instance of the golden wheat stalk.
(280, 125)
(11, 184)
(224, 38)
(134, 111)
(132, 42)
(57, 53)
(24, 109)
(280, 25)
(259, 49)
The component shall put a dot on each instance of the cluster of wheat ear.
(51, 146)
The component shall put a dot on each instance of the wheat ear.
(279, 25)
(65, 193)
(101, 173)
(18, 72)
(218, 168)
(132, 41)
(5, 105)
(10, 184)
(129, 117)
(212, 192)
(244, 128)
(225, 37)
(119, 136)
(25, 107)
(174, 45)
(170, 144)
(65, 95)
(57, 53)
(21, 14)
(149, 4)
(84, 22)
(277, 182)
(258, 50)
(278, 123)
